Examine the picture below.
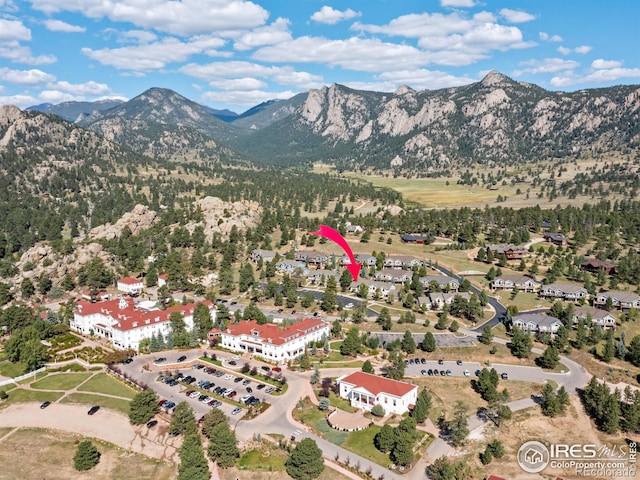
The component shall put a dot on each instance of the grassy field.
(20, 395)
(446, 391)
(362, 443)
(104, 402)
(60, 381)
(103, 383)
(49, 454)
(264, 460)
(12, 369)
(314, 418)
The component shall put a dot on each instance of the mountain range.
(494, 121)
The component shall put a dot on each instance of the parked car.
(458, 362)
(45, 404)
(159, 360)
(441, 362)
(127, 360)
(173, 383)
(194, 394)
(504, 376)
(466, 373)
(246, 382)
(174, 433)
(436, 372)
(423, 372)
(208, 370)
(182, 358)
(249, 389)
(189, 392)
(254, 401)
(423, 361)
(228, 377)
(448, 373)
(276, 369)
(236, 411)
(93, 410)
(152, 423)
(233, 363)
(265, 368)
(261, 386)
(268, 390)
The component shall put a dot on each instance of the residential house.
(536, 322)
(440, 299)
(563, 291)
(289, 266)
(394, 275)
(424, 302)
(130, 285)
(163, 279)
(555, 238)
(265, 255)
(353, 229)
(510, 251)
(444, 282)
(273, 342)
(322, 275)
(384, 289)
(620, 300)
(598, 317)
(366, 260)
(318, 259)
(365, 390)
(509, 282)
(415, 239)
(593, 265)
(402, 261)
(126, 323)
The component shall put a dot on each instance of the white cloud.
(90, 88)
(545, 37)
(546, 65)
(60, 26)
(137, 36)
(277, 32)
(458, 3)
(455, 38)
(366, 55)
(516, 16)
(155, 55)
(331, 16)
(19, 100)
(186, 17)
(246, 98)
(29, 78)
(600, 64)
(564, 50)
(238, 84)
(13, 30)
(598, 76)
(421, 79)
(583, 49)
(235, 70)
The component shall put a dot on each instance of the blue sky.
(235, 53)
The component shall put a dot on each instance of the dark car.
(182, 358)
(237, 379)
(261, 386)
(202, 397)
(152, 423)
(233, 363)
(458, 362)
(45, 404)
(436, 372)
(254, 402)
(442, 373)
(423, 372)
(440, 362)
(160, 360)
(504, 376)
(423, 361)
(127, 360)
(174, 433)
(173, 383)
(265, 368)
(208, 370)
(249, 389)
(93, 409)
(179, 376)
(430, 372)
(448, 372)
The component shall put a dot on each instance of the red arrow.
(334, 236)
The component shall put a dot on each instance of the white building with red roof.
(365, 391)
(125, 323)
(130, 285)
(273, 342)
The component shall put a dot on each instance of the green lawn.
(354, 364)
(362, 443)
(103, 383)
(105, 402)
(261, 460)
(20, 395)
(60, 381)
(12, 369)
(316, 419)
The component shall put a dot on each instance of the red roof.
(129, 281)
(272, 333)
(376, 385)
(164, 276)
(131, 316)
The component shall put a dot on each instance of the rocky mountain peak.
(494, 78)
(9, 114)
(403, 89)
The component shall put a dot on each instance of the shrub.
(87, 456)
(378, 411)
(3, 395)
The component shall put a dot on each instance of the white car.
(466, 373)
(268, 390)
(194, 395)
(228, 377)
(244, 398)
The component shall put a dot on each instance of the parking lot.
(184, 377)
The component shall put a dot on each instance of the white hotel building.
(125, 323)
(270, 341)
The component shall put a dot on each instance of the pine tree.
(367, 367)
(408, 344)
(402, 452)
(305, 461)
(487, 335)
(428, 342)
(609, 348)
(385, 439)
(143, 406)
(224, 450)
(423, 404)
(183, 419)
(87, 456)
(549, 403)
(193, 463)
(328, 303)
(550, 358)
(521, 343)
(458, 429)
